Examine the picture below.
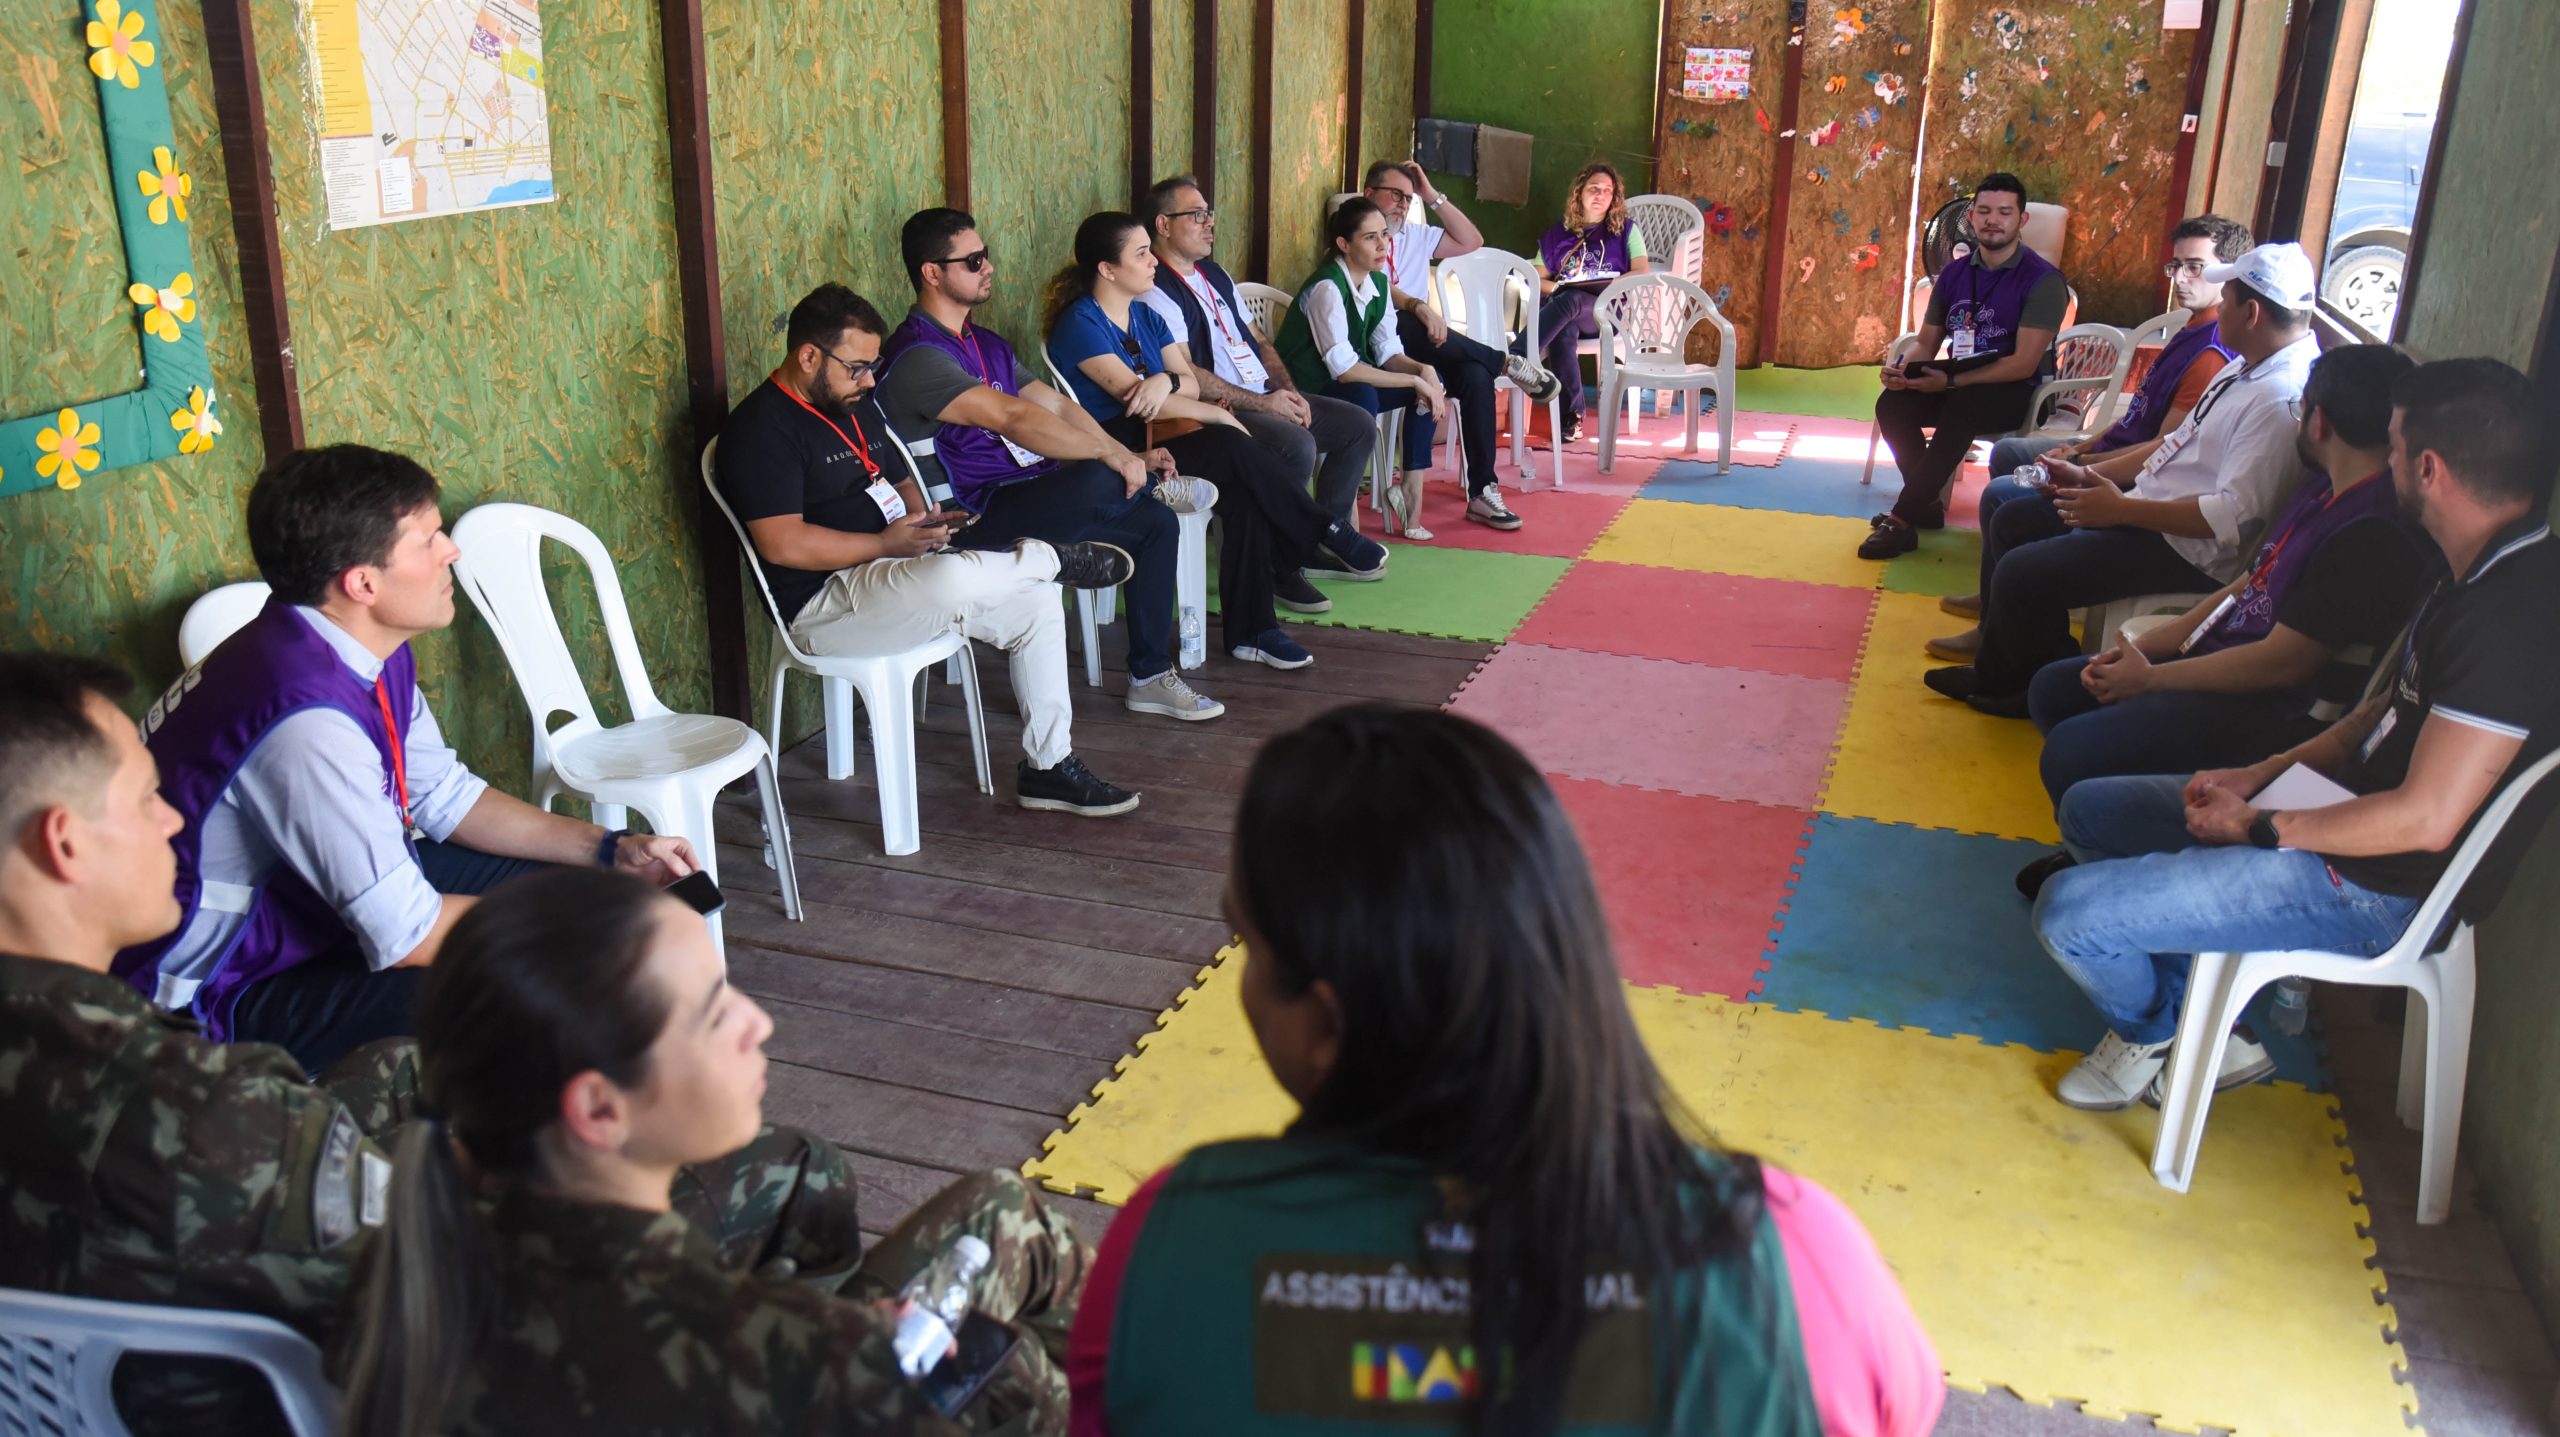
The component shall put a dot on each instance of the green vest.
(1298, 344)
(1282, 1286)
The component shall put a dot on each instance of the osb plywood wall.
(1232, 186)
(1386, 116)
(1722, 156)
(1858, 122)
(536, 354)
(1308, 108)
(2082, 101)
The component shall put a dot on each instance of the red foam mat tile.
(1727, 620)
(1693, 886)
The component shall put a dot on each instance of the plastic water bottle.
(1195, 638)
(2290, 1010)
(930, 1309)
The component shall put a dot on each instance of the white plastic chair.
(884, 681)
(1094, 608)
(2435, 1050)
(1901, 351)
(1645, 323)
(1268, 307)
(58, 1356)
(669, 766)
(218, 615)
(2089, 365)
(1477, 293)
(2099, 622)
(1675, 240)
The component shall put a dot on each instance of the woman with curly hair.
(1577, 259)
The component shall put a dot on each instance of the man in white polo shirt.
(2186, 519)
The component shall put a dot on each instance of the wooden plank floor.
(940, 1013)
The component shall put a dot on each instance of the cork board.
(2083, 103)
(1309, 101)
(1721, 156)
(1857, 128)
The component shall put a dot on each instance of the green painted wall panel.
(1386, 113)
(1309, 97)
(1049, 139)
(1580, 79)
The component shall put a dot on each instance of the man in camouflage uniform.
(145, 1164)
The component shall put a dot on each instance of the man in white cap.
(2185, 519)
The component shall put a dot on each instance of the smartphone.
(955, 519)
(956, 1380)
(698, 893)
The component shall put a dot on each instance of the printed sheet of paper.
(1715, 75)
(428, 107)
(2298, 787)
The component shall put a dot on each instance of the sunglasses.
(973, 263)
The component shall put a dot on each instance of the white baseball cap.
(2281, 272)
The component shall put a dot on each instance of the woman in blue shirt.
(1126, 370)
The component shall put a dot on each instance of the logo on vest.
(168, 701)
(1403, 1372)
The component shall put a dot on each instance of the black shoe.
(2031, 878)
(1070, 787)
(1295, 594)
(1954, 681)
(1888, 538)
(2009, 706)
(1094, 566)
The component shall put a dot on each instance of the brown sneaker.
(1963, 606)
(1959, 649)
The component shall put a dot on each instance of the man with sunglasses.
(1467, 367)
(859, 562)
(1027, 460)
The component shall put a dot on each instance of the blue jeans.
(2172, 732)
(2007, 455)
(2126, 923)
(1085, 502)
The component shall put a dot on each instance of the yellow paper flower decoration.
(67, 453)
(116, 46)
(167, 185)
(195, 423)
(163, 310)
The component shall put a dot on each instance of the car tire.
(2364, 285)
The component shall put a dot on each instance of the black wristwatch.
(2262, 831)
(612, 840)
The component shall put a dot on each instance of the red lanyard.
(2258, 578)
(399, 762)
(1209, 302)
(858, 445)
(971, 340)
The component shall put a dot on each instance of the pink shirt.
(1874, 1372)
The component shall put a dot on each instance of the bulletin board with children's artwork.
(1716, 144)
(2083, 102)
(1849, 207)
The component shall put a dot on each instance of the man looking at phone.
(860, 563)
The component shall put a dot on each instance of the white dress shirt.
(1330, 326)
(1232, 345)
(2235, 457)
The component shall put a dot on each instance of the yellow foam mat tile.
(1757, 543)
(1908, 756)
(2033, 1242)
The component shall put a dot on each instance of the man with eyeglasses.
(2184, 520)
(2169, 390)
(1027, 460)
(858, 562)
(1238, 367)
(1467, 366)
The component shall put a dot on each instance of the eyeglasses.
(851, 369)
(973, 263)
(1394, 195)
(2191, 268)
(2295, 408)
(1203, 214)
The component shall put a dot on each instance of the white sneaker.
(1488, 509)
(2243, 1062)
(1167, 694)
(1184, 494)
(2109, 1078)
(1535, 379)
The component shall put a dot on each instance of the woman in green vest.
(1339, 339)
(1489, 1210)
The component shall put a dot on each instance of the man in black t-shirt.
(2470, 698)
(859, 563)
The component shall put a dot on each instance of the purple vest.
(1593, 254)
(974, 460)
(2150, 402)
(201, 731)
(2308, 522)
(1991, 302)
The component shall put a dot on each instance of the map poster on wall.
(429, 107)
(1715, 75)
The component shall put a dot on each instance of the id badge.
(1022, 458)
(2381, 731)
(885, 494)
(2211, 622)
(1248, 364)
(1960, 344)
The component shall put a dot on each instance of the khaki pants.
(1004, 597)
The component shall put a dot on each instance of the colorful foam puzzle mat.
(1558, 523)
(1762, 543)
(1908, 756)
(2032, 1240)
(1797, 485)
(1848, 393)
(1722, 620)
(1693, 886)
(1446, 593)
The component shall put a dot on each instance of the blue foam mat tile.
(1924, 928)
(1797, 486)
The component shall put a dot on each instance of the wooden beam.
(955, 104)
(2191, 124)
(1421, 60)
(1355, 80)
(240, 106)
(1142, 97)
(1265, 36)
(2414, 263)
(1204, 97)
(1773, 287)
(706, 362)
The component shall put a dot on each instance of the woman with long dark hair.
(1577, 258)
(1488, 1203)
(1124, 367)
(578, 1044)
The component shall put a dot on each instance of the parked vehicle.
(2386, 158)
